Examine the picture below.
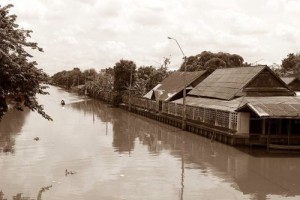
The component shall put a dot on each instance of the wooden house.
(171, 88)
(252, 102)
(243, 105)
(292, 82)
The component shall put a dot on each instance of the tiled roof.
(226, 83)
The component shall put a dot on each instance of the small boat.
(62, 102)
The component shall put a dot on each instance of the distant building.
(171, 88)
(292, 82)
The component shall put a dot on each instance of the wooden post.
(280, 127)
(264, 126)
(193, 113)
(268, 138)
(289, 130)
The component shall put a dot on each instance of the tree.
(214, 63)
(19, 77)
(72, 78)
(148, 77)
(211, 61)
(291, 64)
(89, 74)
(124, 71)
(103, 82)
(76, 77)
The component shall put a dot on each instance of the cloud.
(289, 34)
(114, 50)
(94, 33)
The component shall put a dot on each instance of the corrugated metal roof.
(226, 83)
(150, 93)
(280, 106)
(175, 83)
(288, 80)
(212, 103)
(274, 110)
(273, 106)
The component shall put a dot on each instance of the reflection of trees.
(99, 109)
(10, 126)
(257, 176)
(19, 195)
(123, 133)
(123, 139)
(253, 175)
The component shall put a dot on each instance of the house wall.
(267, 84)
(243, 123)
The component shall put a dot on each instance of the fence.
(210, 116)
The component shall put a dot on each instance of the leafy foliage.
(18, 75)
(211, 61)
(124, 72)
(148, 77)
(291, 64)
(102, 83)
(72, 78)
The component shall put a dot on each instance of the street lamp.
(184, 89)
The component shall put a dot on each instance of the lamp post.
(184, 89)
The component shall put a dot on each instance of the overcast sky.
(98, 33)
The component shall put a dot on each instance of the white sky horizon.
(99, 33)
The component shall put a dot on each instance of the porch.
(272, 132)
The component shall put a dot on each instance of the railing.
(214, 117)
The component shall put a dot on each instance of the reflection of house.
(172, 87)
(250, 174)
(292, 82)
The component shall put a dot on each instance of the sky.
(98, 33)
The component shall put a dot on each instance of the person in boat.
(62, 102)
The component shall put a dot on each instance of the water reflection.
(260, 176)
(99, 110)
(19, 195)
(123, 135)
(257, 176)
(121, 155)
(10, 126)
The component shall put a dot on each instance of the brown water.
(115, 154)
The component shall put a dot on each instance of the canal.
(93, 151)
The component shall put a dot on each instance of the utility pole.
(184, 89)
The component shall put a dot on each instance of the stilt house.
(171, 88)
(251, 102)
